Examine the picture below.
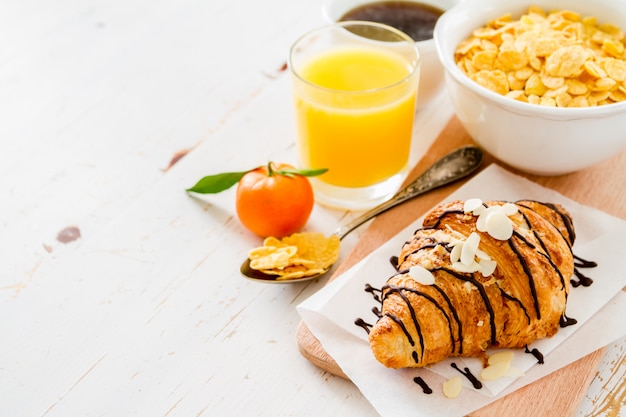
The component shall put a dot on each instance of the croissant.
(476, 275)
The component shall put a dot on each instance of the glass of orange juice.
(355, 87)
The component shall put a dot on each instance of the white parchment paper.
(599, 309)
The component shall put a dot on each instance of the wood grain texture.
(595, 187)
(606, 396)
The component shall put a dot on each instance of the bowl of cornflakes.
(540, 85)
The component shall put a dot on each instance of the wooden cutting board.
(559, 393)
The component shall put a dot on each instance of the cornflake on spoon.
(296, 256)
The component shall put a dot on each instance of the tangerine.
(271, 203)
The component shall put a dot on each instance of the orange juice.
(355, 115)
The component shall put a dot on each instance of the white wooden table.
(110, 109)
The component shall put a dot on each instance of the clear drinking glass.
(355, 87)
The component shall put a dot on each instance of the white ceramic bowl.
(431, 71)
(532, 138)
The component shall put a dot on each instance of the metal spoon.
(454, 166)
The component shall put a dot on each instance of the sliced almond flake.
(456, 242)
(480, 323)
(456, 235)
(452, 387)
(479, 210)
(509, 209)
(499, 226)
(514, 372)
(487, 267)
(504, 356)
(482, 255)
(472, 204)
(455, 254)
(468, 253)
(481, 223)
(460, 267)
(495, 371)
(422, 275)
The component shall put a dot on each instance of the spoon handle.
(453, 166)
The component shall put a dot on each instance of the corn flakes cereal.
(296, 256)
(594, 69)
(613, 47)
(557, 58)
(615, 68)
(534, 86)
(315, 247)
(484, 59)
(563, 99)
(511, 59)
(576, 87)
(552, 82)
(514, 82)
(494, 80)
(267, 257)
(618, 95)
(567, 61)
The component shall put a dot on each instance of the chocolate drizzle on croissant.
(465, 311)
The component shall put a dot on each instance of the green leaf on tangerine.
(303, 172)
(212, 184)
